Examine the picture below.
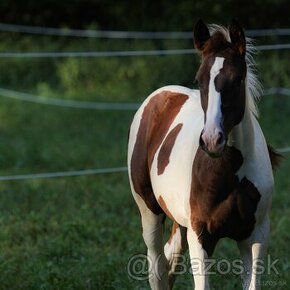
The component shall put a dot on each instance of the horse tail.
(275, 157)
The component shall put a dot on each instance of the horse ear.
(200, 34)
(237, 36)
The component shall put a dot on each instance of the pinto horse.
(200, 158)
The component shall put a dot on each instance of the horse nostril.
(220, 138)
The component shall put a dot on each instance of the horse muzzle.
(213, 143)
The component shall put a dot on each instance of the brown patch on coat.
(275, 157)
(164, 207)
(235, 217)
(166, 148)
(221, 205)
(156, 119)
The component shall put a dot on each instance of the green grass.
(80, 232)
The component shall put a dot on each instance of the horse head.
(221, 78)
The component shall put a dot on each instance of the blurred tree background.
(144, 14)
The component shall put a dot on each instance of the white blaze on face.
(212, 128)
(213, 113)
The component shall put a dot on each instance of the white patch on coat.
(213, 113)
(249, 139)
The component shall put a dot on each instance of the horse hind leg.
(152, 226)
(174, 248)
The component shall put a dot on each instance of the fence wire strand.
(124, 53)
(68, 103)
(72, 173)
(88, 33)
(85, 172)
(11, 94)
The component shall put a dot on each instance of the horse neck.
(242, 135)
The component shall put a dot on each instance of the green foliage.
(274, 68)
(95, 78)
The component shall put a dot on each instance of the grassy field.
(80, 232)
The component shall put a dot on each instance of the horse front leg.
(252, 252)
(198, 257)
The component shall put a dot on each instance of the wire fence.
(124, 53)
(87, 33)
(72, 173)
(89, 105)
(105, 105)
(277, 91)
(123, 35)
(84, 172)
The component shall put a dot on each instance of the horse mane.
(253, 86)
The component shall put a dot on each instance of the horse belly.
(171, 182)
